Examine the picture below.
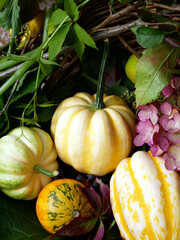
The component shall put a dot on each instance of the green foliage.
(149, 37)
(72, 10)
(18, 220)
(56, 42)
(152, 73)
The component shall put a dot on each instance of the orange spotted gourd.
(59, 202)
(27, 162)
(145, 198)
(93, 133)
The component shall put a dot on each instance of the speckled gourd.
(145, 198)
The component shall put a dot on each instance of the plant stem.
(48, 14)
(39, 169)
(98, 104)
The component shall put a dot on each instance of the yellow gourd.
(91, 140)
(145, 198)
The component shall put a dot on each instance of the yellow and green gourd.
(145, 198)
(93, 133)
(27, 162)
(60, 202)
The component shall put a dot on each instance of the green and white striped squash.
(60, 202)
(24, 153)
(145, 198)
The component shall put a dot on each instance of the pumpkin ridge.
(36, 152)
(124, 143)
(118, 210)
(142, 203)
(167, 211)
(66, 130)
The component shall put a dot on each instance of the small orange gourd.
(60, 202)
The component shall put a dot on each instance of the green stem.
(39, 169)
(48, 14)
(98, 104)
(83, 3)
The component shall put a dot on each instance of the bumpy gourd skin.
(60, 202)
(93, 141)
(145, 198)
(21, 150)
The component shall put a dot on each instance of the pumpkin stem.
(39, 169)
(98, 104)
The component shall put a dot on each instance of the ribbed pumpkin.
(145, 198)
(92, 140)
(60, 202)
(24, 153)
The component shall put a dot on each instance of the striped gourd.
(91, 140)
(145, 199)
(60, 202)
(27, 162)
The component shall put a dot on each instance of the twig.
(126, 45)
(117, 30)
(170, 8)
(113, 17)
(9, 98)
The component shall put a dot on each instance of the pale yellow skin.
(20, 151)
(145, 198)
(93, 141)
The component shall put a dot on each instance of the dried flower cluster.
(159, 126)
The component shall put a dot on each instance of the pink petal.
(163, 143)
(176, 82)
(148, 112)
(173, 137)
(155, 150)
(167, 91)
(174, 152)
(144, 126)
(166, 108)
(169, 162)
(139, 140)
(169, 125)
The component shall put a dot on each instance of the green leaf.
(47, 66)
(149, 37)
(16, 23)
(72, 9)
(57, 41)
(18, 220)
(117, 89)
(26, 85)
(58, 16)
(152, 73)
(5, 16)
(84, 36)
(48, 62)
(74, 41)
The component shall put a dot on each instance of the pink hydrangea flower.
(148, 112)
(167, 91)
(172, 158)
(146, 131)
(170, 120)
